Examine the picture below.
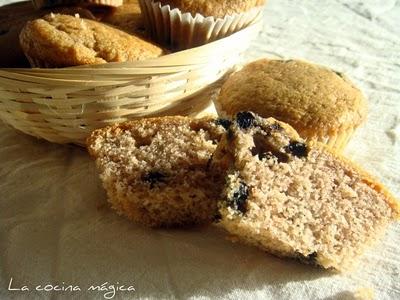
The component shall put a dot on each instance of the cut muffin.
(60, 41)
(321, 104)
(155, 170)
(296, 199)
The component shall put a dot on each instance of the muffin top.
(315, 100)
(39, 4)
(214, 8)
(62, 40)
(13, 18)
(127, 17)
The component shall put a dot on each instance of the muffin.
(61, 41)
(13, 18)
(127, 17)
(296, 199)
(51, 3)
(155, 170)
(213, 8)
(184, 24)
(321, 104)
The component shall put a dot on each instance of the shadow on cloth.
(57, 228)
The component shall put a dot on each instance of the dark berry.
(280, 157)
(154, 178)
(266, 155)
(245, 119)
(230, 134)
(217, 217)
(265, 150)
(297, 149)
(239, 198)
(209, 162)
(310, 259)
(224, 123)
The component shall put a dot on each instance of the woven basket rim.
(63, 105)
(169, 61)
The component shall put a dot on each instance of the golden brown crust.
(13, 18)
(215, 8)
(40, 4)
(316, 101)
(127, 17)
(19, 13)
(61, 41)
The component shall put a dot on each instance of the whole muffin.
(321, 104)
(213, 8)
(183, 24)
(61, 41)
(13, 18)
(51, 3)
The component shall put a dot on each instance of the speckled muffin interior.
(214, 8)
(155, 171)
(318, 102)
(294, 199)
(60, 40)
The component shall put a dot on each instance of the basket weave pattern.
(65, 105)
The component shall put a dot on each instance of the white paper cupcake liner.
(339, 140)
(181, 31)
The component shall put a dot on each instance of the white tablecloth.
(56, 228)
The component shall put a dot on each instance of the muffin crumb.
(305, 205)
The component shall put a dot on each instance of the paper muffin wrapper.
(50, 3)
(181, 30)
(337, 141)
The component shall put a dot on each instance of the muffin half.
(156, 170)
(295, 199)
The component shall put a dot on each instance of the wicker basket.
(65, 105)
